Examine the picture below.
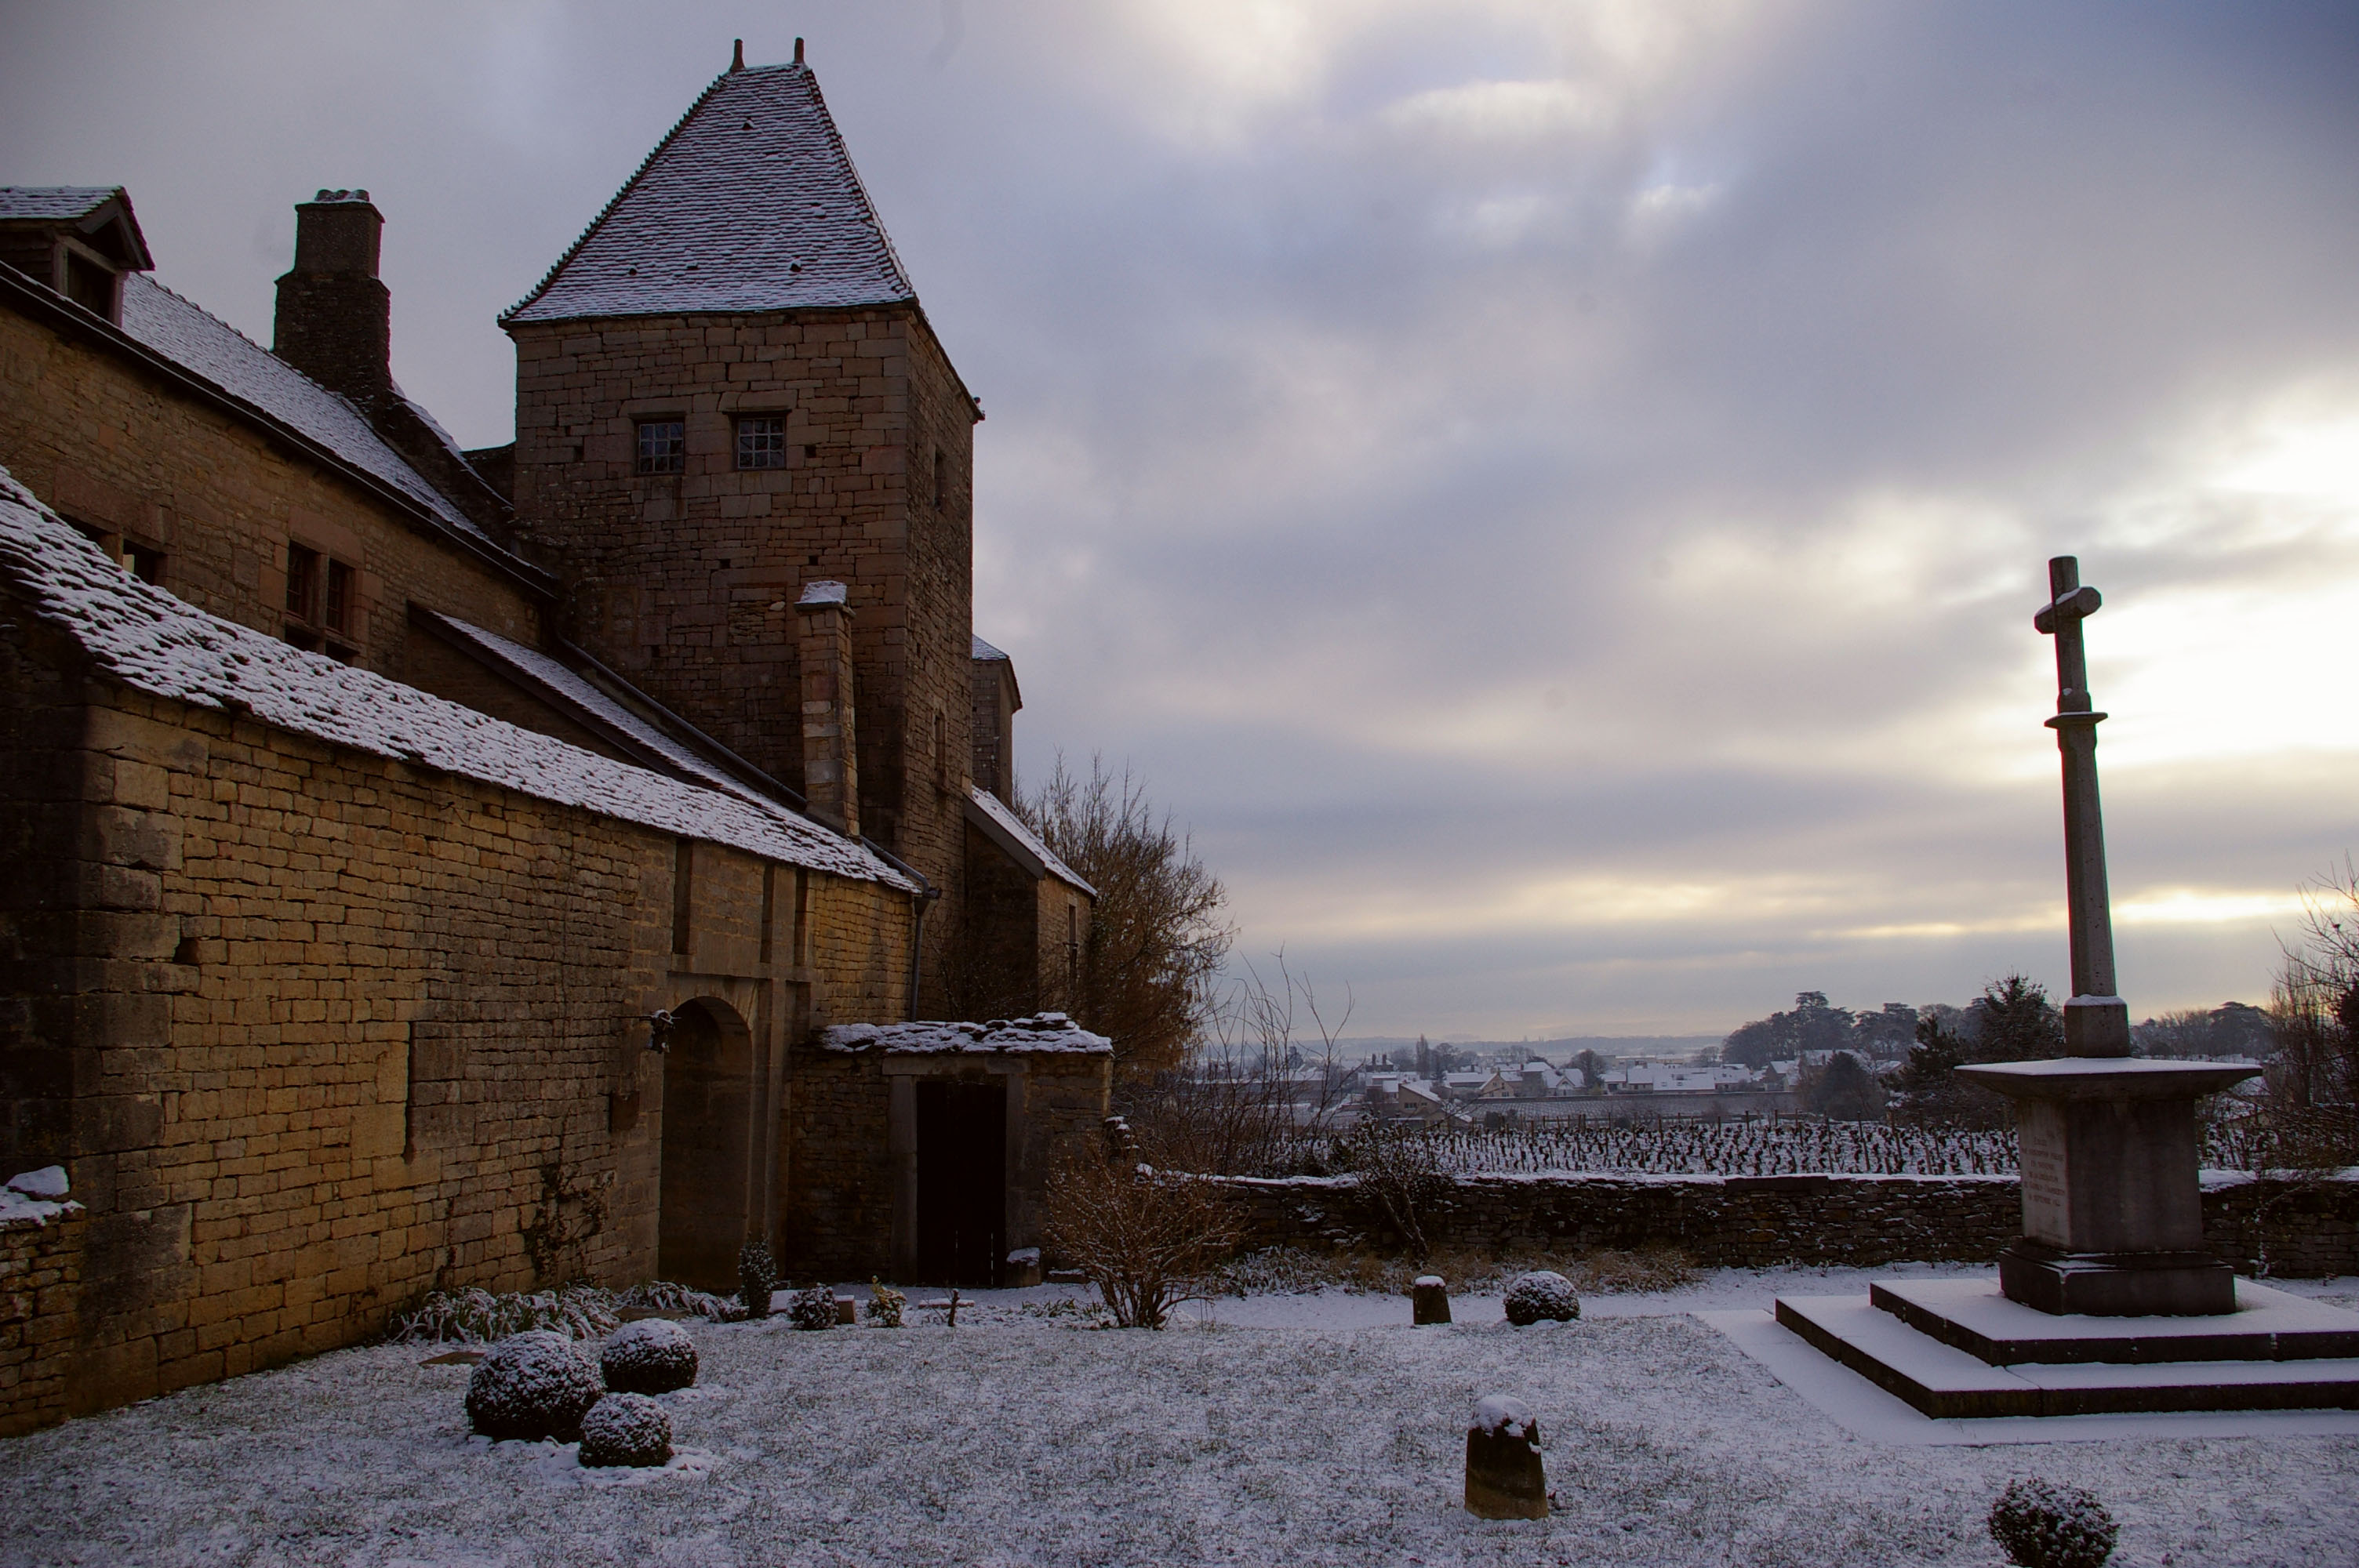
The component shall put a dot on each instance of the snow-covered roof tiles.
(979, 649)
(210, 348)
(1041, 1032)
(751, 203)
(1004, 826)
(60, 203)
(155, 643)
(540, 669)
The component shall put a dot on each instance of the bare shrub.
(1399, 1175)
(1149, 1239)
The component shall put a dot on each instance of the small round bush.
(653, 1356)
(532, 1385)
(813, 1308)
(2039, 1524)
(1541, 1294)
(626, 1429)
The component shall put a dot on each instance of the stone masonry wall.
(687, 582)
(40, 1293)
(1750, 1222)
(106, 445)
(315, 1031)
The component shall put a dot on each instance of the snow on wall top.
(991, 806)
(1041, 1032)
(35, 1199)
(538, 666)
(58, 202)
(750, 203)
(218, 353)
(153, 642)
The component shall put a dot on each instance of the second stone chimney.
(830, 769)
(335, 317)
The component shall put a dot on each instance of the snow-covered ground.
(1304, 1430)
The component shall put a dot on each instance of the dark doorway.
(708, 1106)
(962, 1182)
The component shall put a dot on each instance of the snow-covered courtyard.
(1290, 1429)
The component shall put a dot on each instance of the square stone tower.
(727, 390)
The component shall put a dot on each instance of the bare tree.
(1150, 968)
(1256, 1095)
(1147, 1239)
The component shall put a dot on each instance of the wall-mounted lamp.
(660, 1025)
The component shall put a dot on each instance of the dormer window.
(92, 286)
(322, 603)
(78, 239)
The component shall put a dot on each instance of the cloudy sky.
(1553, 493)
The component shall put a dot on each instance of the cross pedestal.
(2113, 1208)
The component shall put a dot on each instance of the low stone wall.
(2304, 1231)
(40, 1290)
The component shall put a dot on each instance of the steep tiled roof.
(152, 641)
(1019, 843)
(979, 649)
(59, 202)
(751, 203)
(212, 349)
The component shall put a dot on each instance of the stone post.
(1428, 1301)
(1505, 1478)
(831, 767)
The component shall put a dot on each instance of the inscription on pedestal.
(2047, 1206)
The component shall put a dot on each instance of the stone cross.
(2096, 1019)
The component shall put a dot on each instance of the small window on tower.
(89, 285)
(663, 446)
(143, 563)
(942, 481)
(762, 442)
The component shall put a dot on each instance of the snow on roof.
(979, 649)
(1043, 1032)
(1012, 826)
(750, 203)
(540, 669)
(62, 204)
(212, 349)
(153, 642)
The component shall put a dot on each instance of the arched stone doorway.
(709, 1094)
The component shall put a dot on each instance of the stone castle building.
(373, 807)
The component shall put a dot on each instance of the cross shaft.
(2096, 1019)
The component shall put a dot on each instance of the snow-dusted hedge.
(626, 1429)
(533, 1385)
(1542, 1293)
(653, 1356)
(2042, 1524)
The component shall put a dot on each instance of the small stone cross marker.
(2096, 1020)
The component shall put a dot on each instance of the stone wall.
(1759, 1221)
(40, 1294)
(687, 582)
(315, 1031)
(112, 447)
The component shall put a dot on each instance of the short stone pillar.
(1428, 1300)
(1504, 1475)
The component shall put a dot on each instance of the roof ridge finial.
(738, 56)
(799, 51)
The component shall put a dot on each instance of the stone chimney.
(830, 772)
(335, 317)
